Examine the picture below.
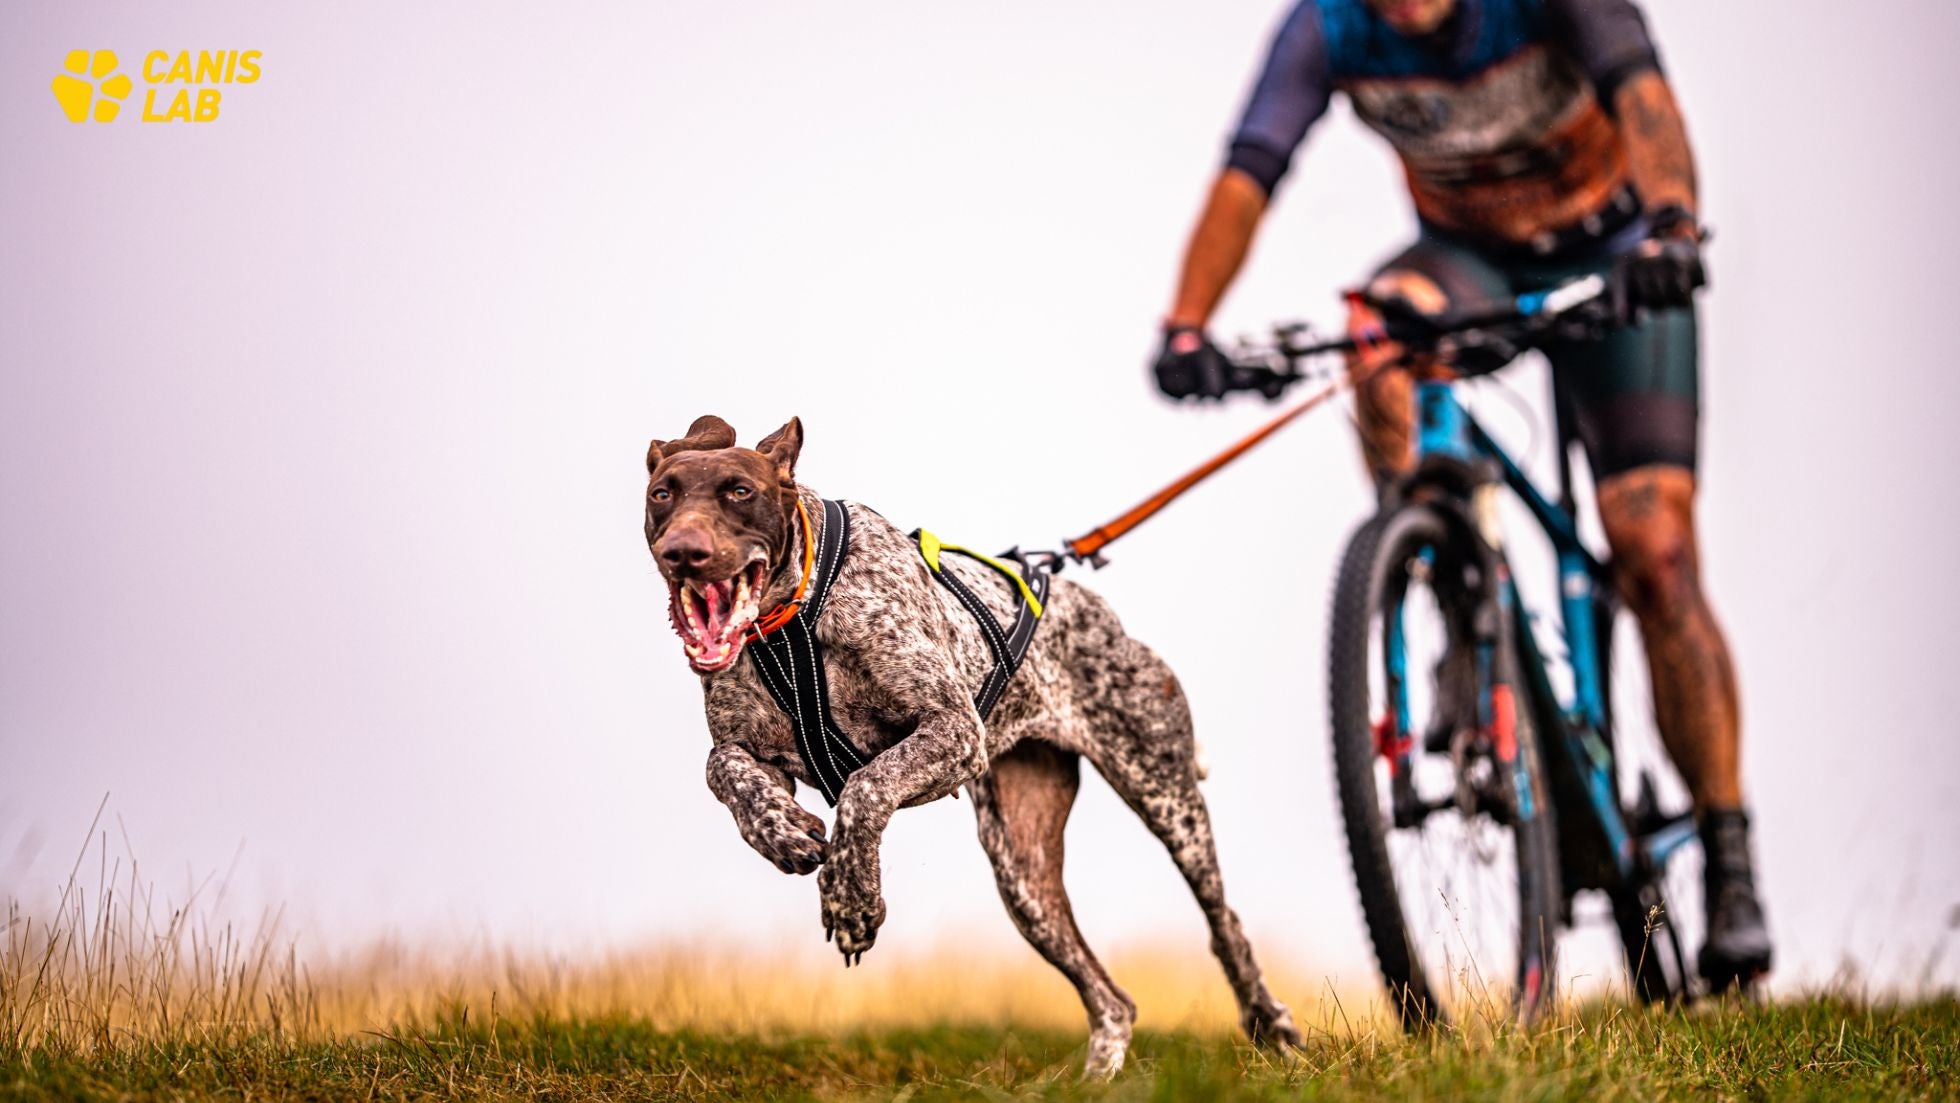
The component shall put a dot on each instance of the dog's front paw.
(853, 909)
(791, 838)
(1269, 1024)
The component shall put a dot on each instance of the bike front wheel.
(1450, 831)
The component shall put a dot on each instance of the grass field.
(109, 996)
(1821, 1048)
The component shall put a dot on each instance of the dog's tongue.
(719, 598)
(711, 619)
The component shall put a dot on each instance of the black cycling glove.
(1189, 365)
(1666, 269)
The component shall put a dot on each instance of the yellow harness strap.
(930, 546)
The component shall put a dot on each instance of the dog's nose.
(686, 548)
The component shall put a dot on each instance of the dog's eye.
(740, 493)
(661, 494)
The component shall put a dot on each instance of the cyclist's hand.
(1665, 270)
(1189, 365)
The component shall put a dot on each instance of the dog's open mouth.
(711, 616)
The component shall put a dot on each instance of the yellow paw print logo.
(75, 92)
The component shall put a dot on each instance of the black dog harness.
(1031, 594)
(790, 660)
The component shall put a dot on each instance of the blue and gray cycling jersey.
(1502, 117)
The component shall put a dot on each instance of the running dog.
(732, 533)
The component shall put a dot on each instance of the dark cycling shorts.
(1634, 394)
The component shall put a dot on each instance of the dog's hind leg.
(1144, 747)
(1022, 804)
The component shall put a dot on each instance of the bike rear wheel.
(1658, 917)
(1657, 966)
(1449, 827)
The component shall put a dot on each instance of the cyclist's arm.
(1291, 94)
(1218, 247)
(1658, 157)
(1611, 42)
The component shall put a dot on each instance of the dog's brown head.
(719, 521)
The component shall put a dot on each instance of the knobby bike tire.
(1382, 546)
(1656, 966)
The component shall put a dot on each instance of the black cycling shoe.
(1737, 951)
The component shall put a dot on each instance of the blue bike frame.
(1445, 428)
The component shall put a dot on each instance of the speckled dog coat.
(907, 667)
(903, 660)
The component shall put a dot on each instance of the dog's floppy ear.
(706, 434)
(782, 447)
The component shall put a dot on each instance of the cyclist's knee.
(1648, 515)
(1421, 293)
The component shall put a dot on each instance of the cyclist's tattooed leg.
(1384, 403)
(1649, 519)
(1384, 409)
(1648, 515)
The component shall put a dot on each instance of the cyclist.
(1540, 142)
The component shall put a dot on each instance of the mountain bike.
(1479, 769)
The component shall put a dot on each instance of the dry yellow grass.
(108, 996)
(728, 987)
(114, 965)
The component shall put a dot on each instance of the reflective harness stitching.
(1009, 648)
(781, 657)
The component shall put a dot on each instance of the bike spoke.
(1455, 866)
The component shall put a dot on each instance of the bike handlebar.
(1578, 308)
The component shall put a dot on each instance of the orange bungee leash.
(1366, 335)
